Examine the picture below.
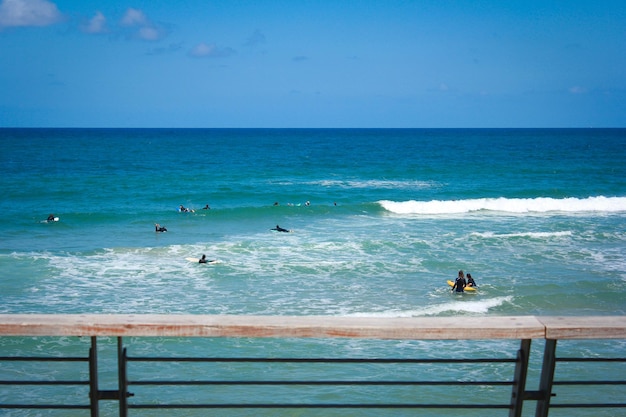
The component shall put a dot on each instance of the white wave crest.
(508, 205)
(532, 235)
(378, 184)
(458, 306)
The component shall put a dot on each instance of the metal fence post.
(122, 379)
(519, 382)
(94, 395)
(547, 378)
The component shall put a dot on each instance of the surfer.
(50, 218)
(203, 260)
(206, 207)
(159, 228)
(470, 281)
(459, 283)
(280, 229)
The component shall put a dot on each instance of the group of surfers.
(462, 282)
(159, 228)
(182, 209)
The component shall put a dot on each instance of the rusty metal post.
(122, 378)
(547, 378)
(94, 395)
(519, 382)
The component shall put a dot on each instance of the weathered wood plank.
(416, 328)
(585, 327)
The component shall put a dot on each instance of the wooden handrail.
(584, 327)
(417, 328)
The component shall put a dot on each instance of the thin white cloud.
(97, 24)
(172, 48)
(204, 50)
(257, 38)
(149, 33)
(141, 27)
(14, 13)
(134, 17)
(577, 90)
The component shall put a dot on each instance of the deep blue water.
(537, 216)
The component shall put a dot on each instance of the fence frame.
(523, 328)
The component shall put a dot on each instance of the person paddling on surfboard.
(460, 283)
(280, 229)
(50, 218)
(204, 260)
(159, 228)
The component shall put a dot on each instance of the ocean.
(379, 220)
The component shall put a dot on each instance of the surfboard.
(451, 283)
(197, 260)
(56, 219)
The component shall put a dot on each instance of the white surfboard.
(197, 260)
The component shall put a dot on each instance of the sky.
(313, 63)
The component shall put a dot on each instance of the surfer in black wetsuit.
(50, 218)
(203, 260)
(159, 228)
(460, 283)
(470, 281)
(280, 229)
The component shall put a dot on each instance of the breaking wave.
(508, 205)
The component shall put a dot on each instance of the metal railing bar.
(438, 383)
(591, 359)
(42, 359)
(388, 406)
(589, 382)
(583, 405)
(5, 382)
(44, 407)
(317, 360)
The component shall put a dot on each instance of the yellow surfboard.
(451, 283)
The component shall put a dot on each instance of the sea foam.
(461, 305)
(508, 205)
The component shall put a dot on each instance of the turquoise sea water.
(538, 217)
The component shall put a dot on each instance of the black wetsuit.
(459, 285)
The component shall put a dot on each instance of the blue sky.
(391, 63)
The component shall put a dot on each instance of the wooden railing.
(522, 328)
